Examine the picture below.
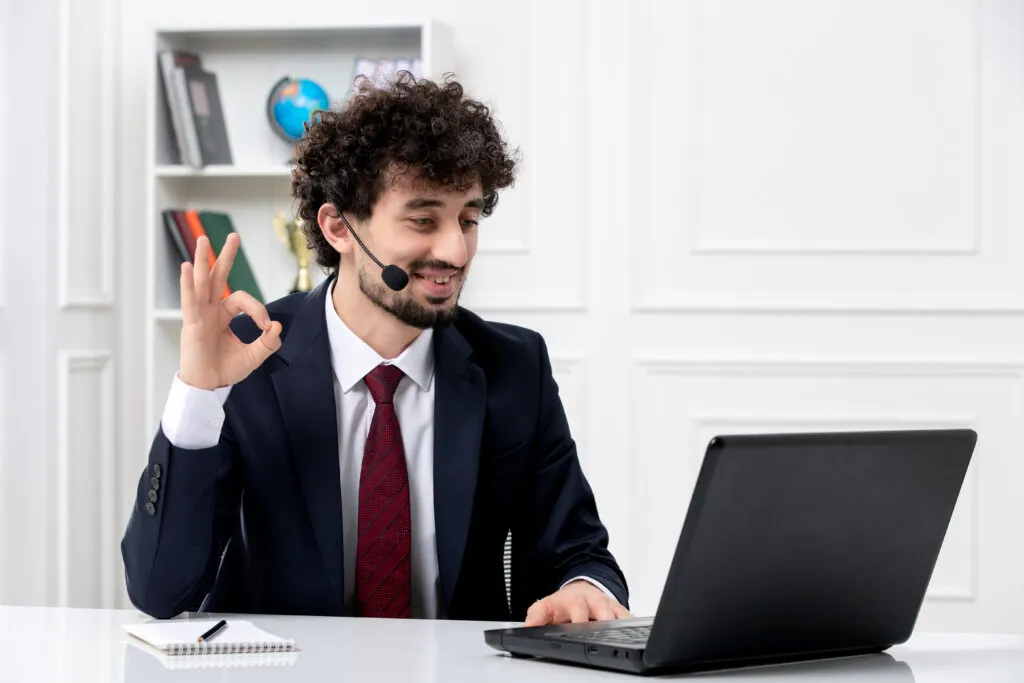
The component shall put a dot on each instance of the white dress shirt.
(193, 419)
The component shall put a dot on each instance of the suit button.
(151, 509)
(152, 496)
(154, 484)
(157, 471)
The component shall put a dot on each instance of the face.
(431, 234)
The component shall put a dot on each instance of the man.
(365, 448)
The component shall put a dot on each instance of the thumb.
(538, 614)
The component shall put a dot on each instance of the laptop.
(795, 547)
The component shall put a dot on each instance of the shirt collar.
(352, 358)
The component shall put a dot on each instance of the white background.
(733, 216)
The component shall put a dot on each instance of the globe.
(293, 102)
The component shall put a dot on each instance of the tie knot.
(382, 382)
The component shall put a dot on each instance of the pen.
(216, 629)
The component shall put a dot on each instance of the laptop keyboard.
(629, 635)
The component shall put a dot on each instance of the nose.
(451, 245)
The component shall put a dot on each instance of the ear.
(333, 229)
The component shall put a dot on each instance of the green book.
(218, 226)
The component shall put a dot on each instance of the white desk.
(40, 644)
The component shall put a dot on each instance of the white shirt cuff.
(593, 582)
(193, 417)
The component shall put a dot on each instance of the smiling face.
(430, 233)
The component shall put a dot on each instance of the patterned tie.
(383, 566)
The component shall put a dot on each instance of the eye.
(469, 223)
(422, 222)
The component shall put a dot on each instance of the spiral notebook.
(142, 661)
(178, 637)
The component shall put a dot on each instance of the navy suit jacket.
(253, 524)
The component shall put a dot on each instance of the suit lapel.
(459, 408)
(305, 392)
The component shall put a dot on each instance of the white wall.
(734, 215)
(58, 470)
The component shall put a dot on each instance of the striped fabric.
(508, 569)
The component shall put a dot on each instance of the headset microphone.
(393, 276)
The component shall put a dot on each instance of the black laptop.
(794, 547)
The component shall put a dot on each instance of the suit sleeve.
(185, 510)
(565, 536)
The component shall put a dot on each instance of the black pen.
(209, 634)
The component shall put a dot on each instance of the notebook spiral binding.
(215, 648)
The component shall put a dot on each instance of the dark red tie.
(383, 565)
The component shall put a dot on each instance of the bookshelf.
(221, 171)
(248, 61)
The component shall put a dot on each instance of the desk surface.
(43, 644)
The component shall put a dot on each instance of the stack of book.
(194, 108)
(185, 227)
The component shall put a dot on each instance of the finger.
(601, 608)
(244, 302)
(219, 275)
(620, 611)
(558, 607)
(268, 342)
(188, 293)
(539, 614)
(201, 268)
(578, 610)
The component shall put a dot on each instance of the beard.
(403, 306)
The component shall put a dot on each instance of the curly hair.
(347, 156)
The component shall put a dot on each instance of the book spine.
(186, 234)
(208, 116)
(192, 218)
(194, 157)
(166, 59)
(179, 242)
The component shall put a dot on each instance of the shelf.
(168, 314)
(248, 60)
(250, 32)
(223, 171)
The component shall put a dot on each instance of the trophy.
(290, 232)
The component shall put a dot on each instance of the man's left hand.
(577, 602)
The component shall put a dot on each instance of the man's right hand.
(211, 355)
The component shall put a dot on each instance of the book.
(218, 226)
(172, 64)
(186, 234)
(196, 226)
(176, 237)
(207, 116)
(177, 637)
